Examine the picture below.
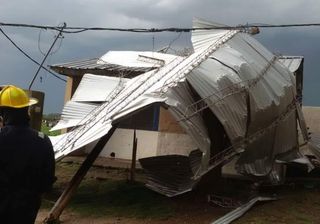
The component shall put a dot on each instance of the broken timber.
(65, 197)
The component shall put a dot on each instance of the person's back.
(26, 167)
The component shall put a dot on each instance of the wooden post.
(65, 197)
(134, 157)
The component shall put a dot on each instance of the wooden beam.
(134, 157)
(65, 197)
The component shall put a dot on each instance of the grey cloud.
(15, 68)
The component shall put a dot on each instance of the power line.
(45, 57)
(154, 30)
(52, 51)
(25, 54)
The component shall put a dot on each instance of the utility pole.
(45, 57)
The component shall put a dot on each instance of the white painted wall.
(150, 143)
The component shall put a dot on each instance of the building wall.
(150, 143)
(312, 117)
(71, 86)
(174, 143)
(167, 122)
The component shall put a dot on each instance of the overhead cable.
(45, 57)
(25, 54)
(155, 30)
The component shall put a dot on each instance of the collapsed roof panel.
(134, 59)
(245, 86)
(91, 92)
(152, 83)
(73, 114)
(291, 62)
(96, 88)
(253, 90)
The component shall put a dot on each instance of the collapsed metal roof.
(111, 64)
(291, 62)
(244, 85)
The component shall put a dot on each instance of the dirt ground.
(299, 202)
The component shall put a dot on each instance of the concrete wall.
(150, 143)
(174, 143)
(167, 123)
(121, 144)
(312, 117)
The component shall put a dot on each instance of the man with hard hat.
(27, 162)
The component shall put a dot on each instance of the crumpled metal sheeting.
(238, 212)
(209, 80)
(195, 158)
(257, 158)
(73, 113)
(234, 64)
(201, 38)
(178, 98)
(286, 136)
(171, 175)
(314, 145)
(152, 83)
(291, 62)
(263, 151)
(251, 51)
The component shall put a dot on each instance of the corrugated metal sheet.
(91, 92)
(96, 88)
(136, 59)
(169, 175)
(291, 62)
(252, 89)
(238, 212)
(179, 97)
(92, 64)
(314, 145)
(73, 114)
(150, 86)
(121, 61)
(242, 83)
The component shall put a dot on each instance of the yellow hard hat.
(12, 96)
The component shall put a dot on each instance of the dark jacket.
(26, 160)
(27, 168)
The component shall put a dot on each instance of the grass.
(46, 130)
(119, 198)
(109, 197)
(113, 198)
(297, 205)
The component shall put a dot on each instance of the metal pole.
(45, 57)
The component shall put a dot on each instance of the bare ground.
(298, 203)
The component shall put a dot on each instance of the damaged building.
(230, 100)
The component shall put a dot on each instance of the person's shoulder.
(3, 131)
(41, 135)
